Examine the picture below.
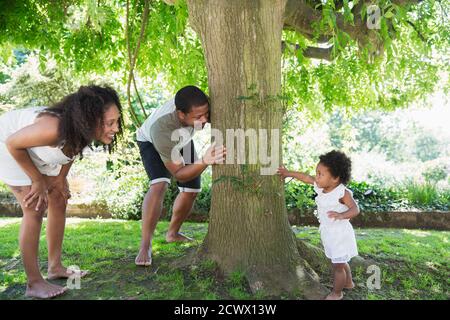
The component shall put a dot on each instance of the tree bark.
(248, 228)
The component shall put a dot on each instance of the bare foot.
(63, 273)
(350, 286)
(178, 237)
(334, 296)
(144, 257)
(44, 290)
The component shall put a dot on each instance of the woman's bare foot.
(334, 296)
(43, 290)
(144, 257)
(177, 237)
(350, 286)
(63, 273)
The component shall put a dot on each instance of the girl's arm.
(353, 209)
(284, 173)
(44, 132)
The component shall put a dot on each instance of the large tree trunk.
(248, 228)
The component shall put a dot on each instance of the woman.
(37, 148)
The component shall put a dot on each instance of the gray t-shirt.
(165, 131)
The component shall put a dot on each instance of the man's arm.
(184, 173)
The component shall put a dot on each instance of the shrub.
(435, 172)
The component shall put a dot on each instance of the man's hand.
(214, 155)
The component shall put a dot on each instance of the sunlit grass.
(414, 264)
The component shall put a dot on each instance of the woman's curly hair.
(339, 164)
(81, 113)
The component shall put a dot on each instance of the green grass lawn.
(414, 264)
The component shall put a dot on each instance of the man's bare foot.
(334, 296)
(63, 273)
(43, 290)
(144, 257)
(350, 286)
(177, 237)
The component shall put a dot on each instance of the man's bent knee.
(159, 187)
(191, 195)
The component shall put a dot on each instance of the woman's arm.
(65, 170)
(59, 183)
(306, 178)
(353, 209)
(44, 132)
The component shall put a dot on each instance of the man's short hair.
(188, 97)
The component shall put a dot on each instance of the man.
(164, 156)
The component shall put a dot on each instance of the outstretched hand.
(283, 172)
(214, 155)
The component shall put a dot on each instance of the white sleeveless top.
(338, 236)
(48, 160)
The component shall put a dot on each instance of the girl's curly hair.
(339, 164)
(81, 113)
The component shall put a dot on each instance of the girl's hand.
(39, 193)
(334, 215)
(283, 172)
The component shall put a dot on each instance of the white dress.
(48, 160)
(338, 236)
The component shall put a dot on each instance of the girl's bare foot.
(63, 273)
(43, 290)
(144, 257)
(334, 296)
(177, 237)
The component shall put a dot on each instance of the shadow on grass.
(413, 264)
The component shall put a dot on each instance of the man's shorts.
(157, 171)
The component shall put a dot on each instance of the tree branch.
(301, 17)
(417, 30)
(133, 57)
(311, 52)
(127, 40)
(319, 53)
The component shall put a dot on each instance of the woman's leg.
(30, 230)
(56, 222)
(340, 279)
